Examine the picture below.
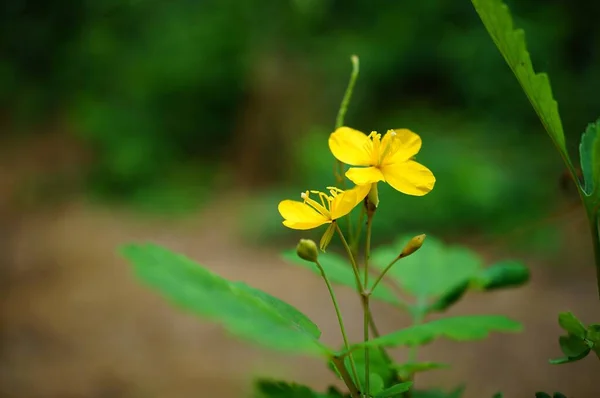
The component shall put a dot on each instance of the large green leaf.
(339, 271)
(511, 42)
(589, 156)
(245, 312)
(433, 271)
(460, 328)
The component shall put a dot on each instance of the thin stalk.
(365, 297)
(380, 277)
(339, 168)
(338, 362)
(339, 121)
(339, 317)
(359, 286)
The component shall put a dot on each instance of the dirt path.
(76, 324)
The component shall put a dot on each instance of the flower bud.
(307, 250)
(413, 245)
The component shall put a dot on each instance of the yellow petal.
(298, 215)
(364, 175)
(409, 177)
(344, 202)
(407, 144)
(351, 146)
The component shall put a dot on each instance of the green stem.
(339, 121)
(365, 297)
(339, 317)
(359, 286)
(338, 362)
(593, 217)
(380, 277)
(339, 171)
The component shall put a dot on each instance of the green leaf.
(571, 324)
(502, 275)
(377, 364)
(460, 328)
(589, 157)
(433, 271)
(497, 20)
(498, 395)
(417, 367)
(457, 393)
(244, 312)
(542, 395)
(449, 298)
(572, 346)
(379, 373)
(339, 271)
(278, 389)
(561, 361)
(393, 391)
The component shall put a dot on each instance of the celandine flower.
(310, 214)
(386, 159)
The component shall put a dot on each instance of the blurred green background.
(185, 122)
(180, 100)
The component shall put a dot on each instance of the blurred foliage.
(156, 89)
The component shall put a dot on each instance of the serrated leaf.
(244, 312)
(417, 367)
(432, 271)
(460, 328)
(569, 323)
(496, 18)
(572, 346)
(502, 275)
(393, 391)
(339, 271)
(589, 158)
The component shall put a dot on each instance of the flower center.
(324, 207)
(382, 148)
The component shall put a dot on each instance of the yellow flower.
(386, 159)
(310, 214)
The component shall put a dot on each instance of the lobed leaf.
(435, 270)
(245, 312)
(460, 328)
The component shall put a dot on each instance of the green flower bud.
(413, 245)
(307, 250)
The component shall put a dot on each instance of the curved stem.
(339, 317)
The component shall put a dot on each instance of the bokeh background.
(185, 122)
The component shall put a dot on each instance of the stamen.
(304, 195)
